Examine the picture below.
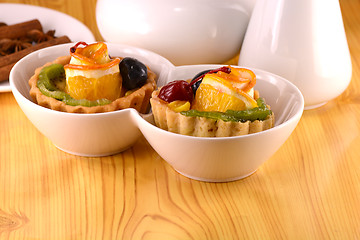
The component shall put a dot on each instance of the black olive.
(195, 85)
(200, 73)
(133, 73)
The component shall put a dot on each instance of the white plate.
(50, 19)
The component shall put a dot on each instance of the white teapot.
(184, 32)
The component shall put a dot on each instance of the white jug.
(303, 41)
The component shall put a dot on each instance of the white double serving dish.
(203, 158)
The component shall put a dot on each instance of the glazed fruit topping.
(176, 90)
(73, 49)
(133, 73)
(196, 81)
(183, 91)
(217, 93)
(200, 75)
(47, 84)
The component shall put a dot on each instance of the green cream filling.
(259, 113)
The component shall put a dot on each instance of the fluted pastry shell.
(138, 100)
(167, 119)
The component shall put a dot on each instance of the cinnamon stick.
(19, 29)
(7, 62)
(5, 71)
(14, 57)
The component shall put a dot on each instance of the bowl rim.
(295, 117)
(16, 91)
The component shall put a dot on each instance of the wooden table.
(310, 189)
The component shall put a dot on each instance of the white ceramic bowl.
(81, 134)
(228, 158)
(206, 159)
(185, 32)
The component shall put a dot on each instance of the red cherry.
(176, 90)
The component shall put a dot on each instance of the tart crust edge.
(167, 119)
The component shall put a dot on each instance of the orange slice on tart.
(92, 74)
(222, 91)
(241, 78)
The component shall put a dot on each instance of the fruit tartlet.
(215, 103)
(90, 81)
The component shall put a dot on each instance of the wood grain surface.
(309, 189)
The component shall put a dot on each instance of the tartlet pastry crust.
(175, 122)
(138, 100)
